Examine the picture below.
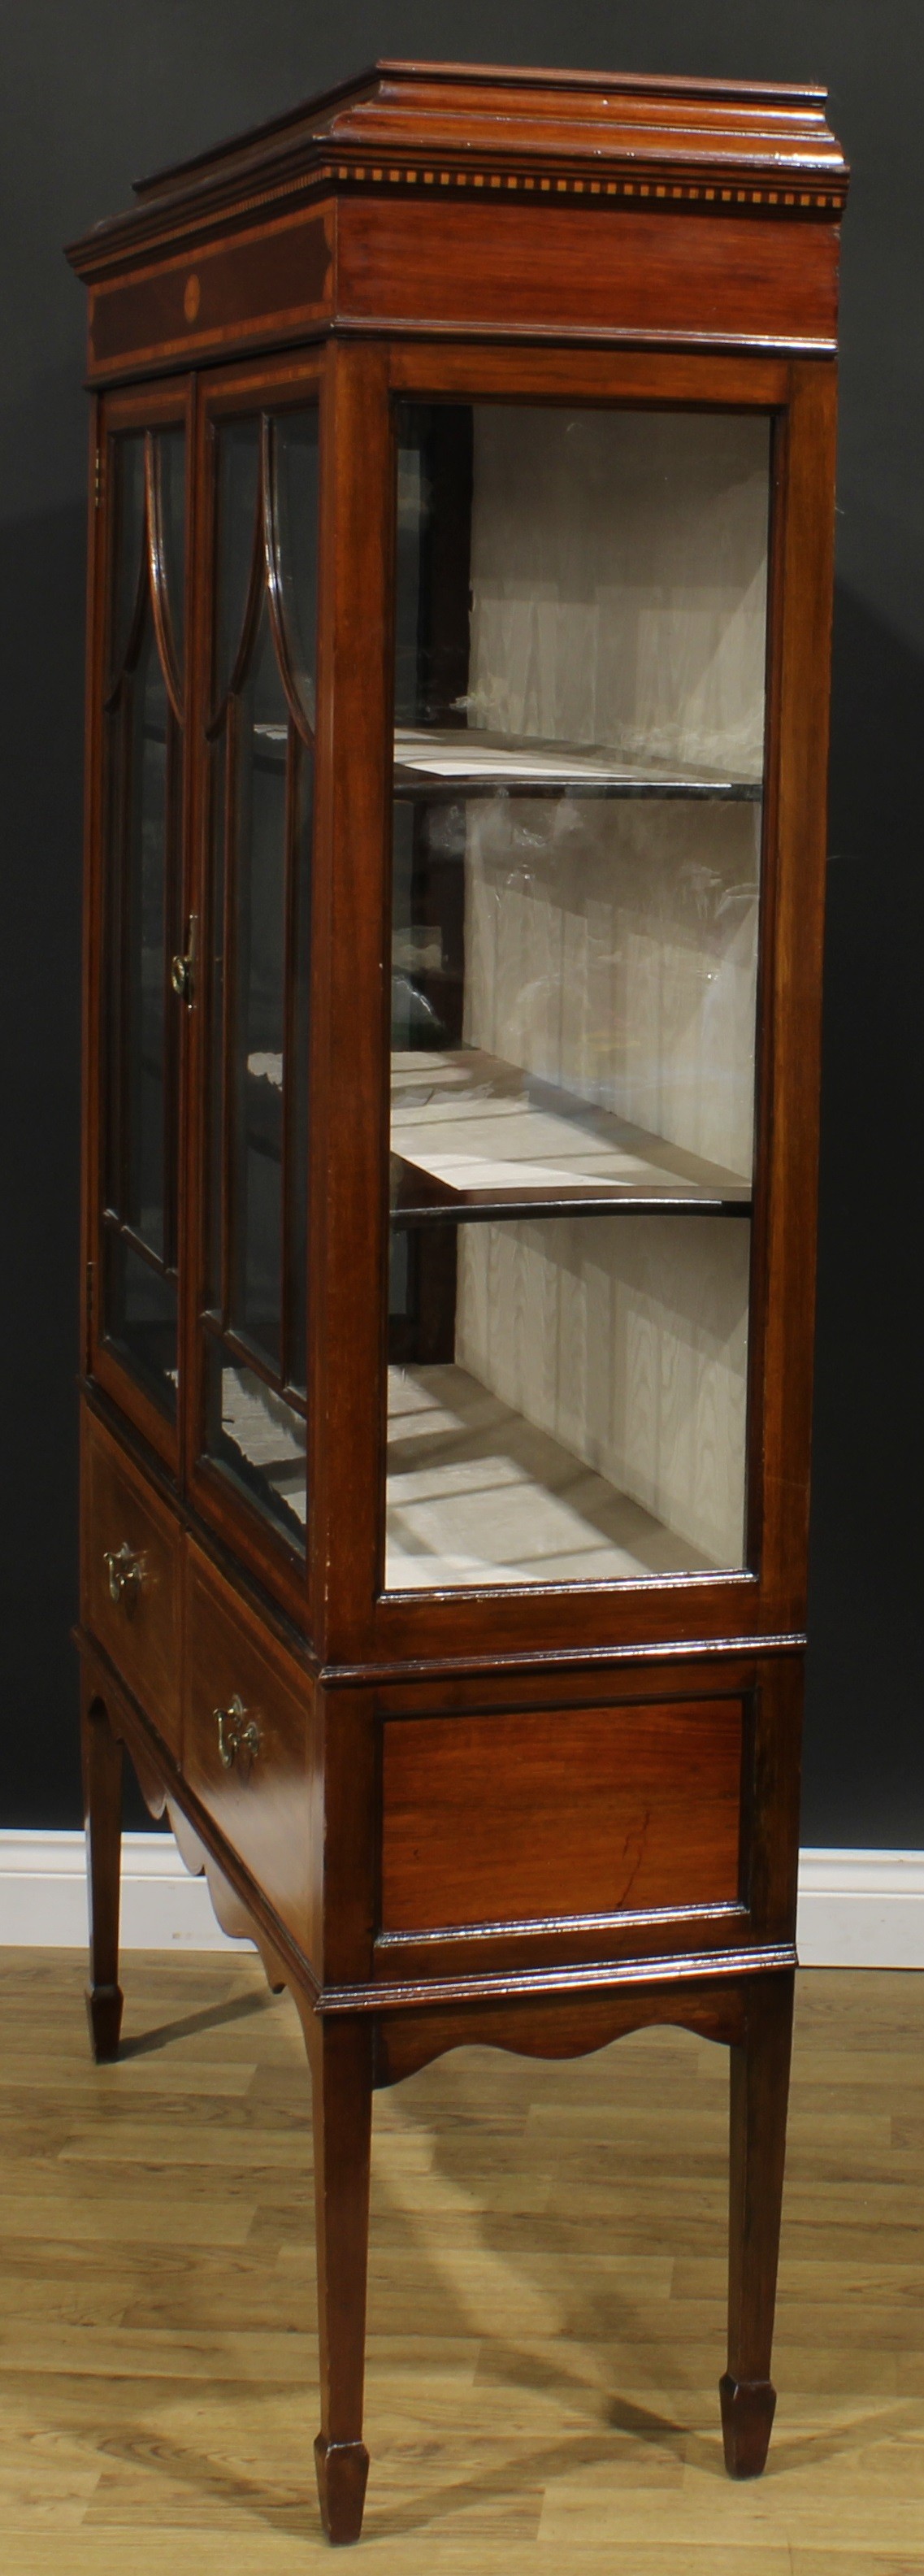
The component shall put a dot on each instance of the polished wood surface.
(102, 1806)
(352, 821)
(276, 279)
(546, 2296)
(332, 1753)
(140, 1626)
(759, 2095)
(261, 1789)
(373, 2033)
(788, 1038)
(666, 279)
(413, 112)
(593, 1811)
(341, 2085)
(465, 158)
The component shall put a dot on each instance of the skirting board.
(861, 1909)
(857, 1909)
(43, 1897)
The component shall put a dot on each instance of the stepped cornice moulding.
(597, 139)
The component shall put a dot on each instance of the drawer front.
(575, 1812)
(131, 1577)
(248, 1745)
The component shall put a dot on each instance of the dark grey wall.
(89, 98)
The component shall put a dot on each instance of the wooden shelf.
(478, 1496)
(439, 762)
(473, 1136)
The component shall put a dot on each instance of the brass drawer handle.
(237, 1734)
(125, 1572)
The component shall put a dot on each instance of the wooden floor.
(546, 2299)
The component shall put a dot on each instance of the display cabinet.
(458, 642)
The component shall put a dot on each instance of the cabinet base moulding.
(857, 1909)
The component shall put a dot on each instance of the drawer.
(513, 1818)
(248, 1739)
(131, 1577)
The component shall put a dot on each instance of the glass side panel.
(303, 793)
(579, 745)
(170, 454)
(569, 1401)
(221, 752)
(129, 565)
(146, 893)
(238, 533)
(259, 927)
(143, 826)
(255, 1321)
(140, 1304)
(258, 1439)
(295, 462)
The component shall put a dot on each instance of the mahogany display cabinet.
(462, 510)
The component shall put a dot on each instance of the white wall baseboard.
(857, 1909)
(43, 1900)
(861, 1909)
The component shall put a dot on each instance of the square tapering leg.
(102, 1798)
(341, 2073)
(759, 2095)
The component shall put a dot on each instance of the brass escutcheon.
(182, 967)
(125, 1573)
(237, 1734)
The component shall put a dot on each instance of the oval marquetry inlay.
(191, 297)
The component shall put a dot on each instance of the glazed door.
(137, 1039)
(580, 691)
(580, 818)
(260, 468)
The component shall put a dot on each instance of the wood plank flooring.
(546, 2310)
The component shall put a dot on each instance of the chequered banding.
(530, 183)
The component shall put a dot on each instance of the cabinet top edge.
(468, 126)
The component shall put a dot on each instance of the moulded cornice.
(599, 139)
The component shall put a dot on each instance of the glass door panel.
(578, 766)
(143, 832)
(254, 1323)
